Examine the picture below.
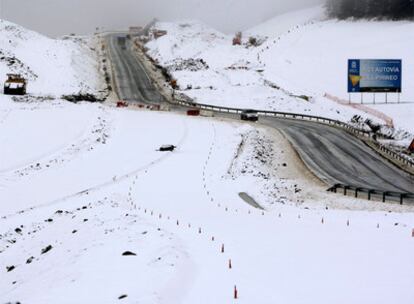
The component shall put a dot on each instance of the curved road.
(338, 157)
(332, 154)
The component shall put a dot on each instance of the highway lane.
(331, 153)
(335, 156)
(132, 81)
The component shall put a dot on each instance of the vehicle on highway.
(249, 115)
(15, 85)
(122, 42)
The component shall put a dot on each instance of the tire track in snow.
(113, 181)
(95, 133)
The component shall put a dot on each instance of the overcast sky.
(59, 17)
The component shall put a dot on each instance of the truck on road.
(122, 42)
(15, 85)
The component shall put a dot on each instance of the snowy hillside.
(228, 75)
(297, 60)
(91, 211)
(286, 22)
(312, 59)
(52, 67)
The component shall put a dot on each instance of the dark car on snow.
(249, 115)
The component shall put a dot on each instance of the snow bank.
(234, 75)
(53, 67)
(293, 71)
(283, 23)
(74, 202)
(312, 59)
(92, 212)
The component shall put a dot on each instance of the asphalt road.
(335, 156)
(132, 81)
(332, 154)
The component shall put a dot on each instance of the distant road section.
(132, 81)
(332, 154)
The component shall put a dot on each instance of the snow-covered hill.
(286, 22)
(231, 75)
(53, 67)
(303, 55)
(312, 59)
(92, 212)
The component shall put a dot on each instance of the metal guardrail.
(304, 117)
(394, 155)
(401, 196)
(327, 121)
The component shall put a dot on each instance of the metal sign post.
(374, 76)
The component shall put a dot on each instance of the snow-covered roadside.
(86, 231)
(122, 195)
(307, 62)
(91, 212)
(53, 67)
(231, 75)
(294, 70)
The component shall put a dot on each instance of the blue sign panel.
(372, 75)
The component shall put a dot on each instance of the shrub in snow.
(191, 64)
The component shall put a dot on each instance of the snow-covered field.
(83, 199)
(91, 212)
(302, 55)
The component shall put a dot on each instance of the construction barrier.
(193, 112)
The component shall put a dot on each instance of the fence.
(392, 196)
(397, 156)
(304, 117)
